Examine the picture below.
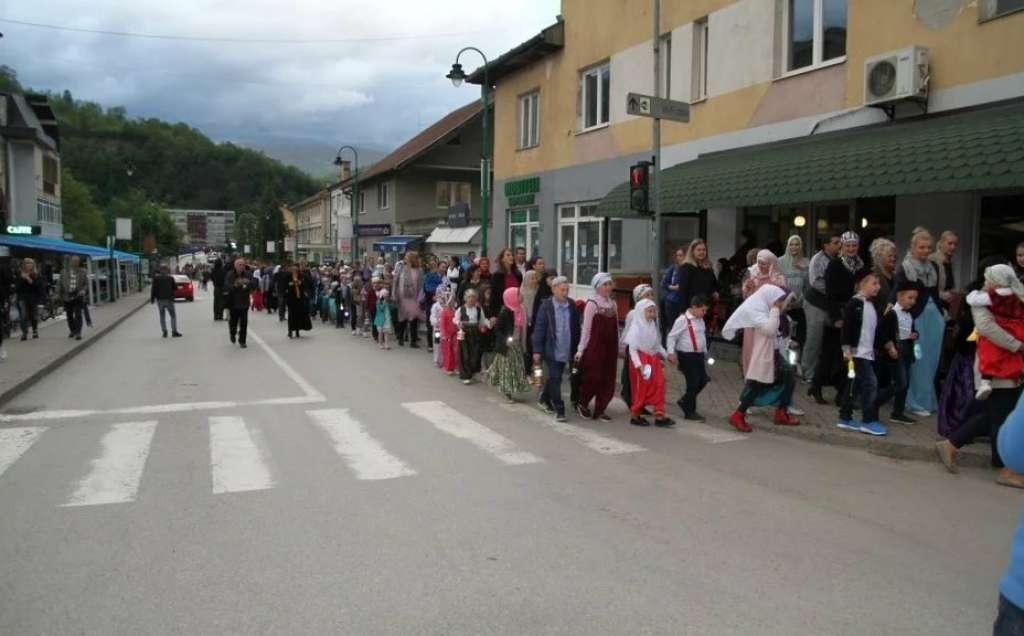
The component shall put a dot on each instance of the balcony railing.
(48, 212)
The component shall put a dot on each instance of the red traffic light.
(638, 175)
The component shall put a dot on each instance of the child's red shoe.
(783, 418)
(739, 422)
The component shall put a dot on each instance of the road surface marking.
(362, 453)
(710, 434)
(604, 444)
(448, 420)
(116, 473)
(157, 409)
(236, 460)
(306, 387)
(14, 442)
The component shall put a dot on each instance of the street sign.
(650, 106)
(271, 247)
(247, 249)
(123, 230)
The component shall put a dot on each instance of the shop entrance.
(1002, 226)
(677, 231)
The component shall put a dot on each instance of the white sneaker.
(984, 390)
(796, 411)
(921, 413)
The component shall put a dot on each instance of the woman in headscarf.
(508, 371)
(646, 375)
(598, 351)
(794, 267)
(764, 271)
(297, 300)
(928, 321)
(761, 313)
(696, 276)
(641, 292)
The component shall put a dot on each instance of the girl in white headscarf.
(764, 271)
(760, 316)
(598, 352)
(646, 376)
(1003, 294)
(640, 292)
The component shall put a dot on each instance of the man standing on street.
(556, 335)
(73, 289)
(520, 261)
(238, 284)
(217, 276)
(816, 304)
(162, 294)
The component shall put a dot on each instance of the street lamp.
(355, 198)
(457, 76)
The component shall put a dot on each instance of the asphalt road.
(322, 486)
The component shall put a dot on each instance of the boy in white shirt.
(688, 346)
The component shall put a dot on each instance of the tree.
(82, 218)
(148, 219)
(247, 231)
(9, 80)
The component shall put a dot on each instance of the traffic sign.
(650, 106)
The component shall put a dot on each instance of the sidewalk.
(29, 361)
(904, 441)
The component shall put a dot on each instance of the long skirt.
(649, 392)
(931, 327)
(599, 363)
(957, 405)
(449, 353)
(298, 316)
(507, 371)
(469, 354)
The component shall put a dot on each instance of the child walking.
(640, 292)
(472, 324)
(358, 301)
(687, 341)
(646, 376)
(508, 371)
(900, 328)
(449, 344)
(859, 341)
(440, 299)
(382, 321)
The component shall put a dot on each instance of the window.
(614, 245)
(524, 230)
(990, 9)
(665, 55)
(581, 252)
(699, 89)
(362, 202)
(383, 200)
(815, 32)
(451, 192)
(594, 87)
(50, 175)
(529, 125)
(47, 211)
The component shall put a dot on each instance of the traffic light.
(640, 187)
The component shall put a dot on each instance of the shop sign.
(380, 229)
(458, 215)
(24, 230)
(522, 192)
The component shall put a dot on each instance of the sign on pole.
(271, 247)
(650, 106)
(123, 229)
(246, 249)
(289, 243)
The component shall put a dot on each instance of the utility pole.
(656, 150)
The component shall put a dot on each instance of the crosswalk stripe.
(116, 473)
(362, 453)
(604, 444)
(236, 461)
(448, 420)
(14, 442)
(710, 433)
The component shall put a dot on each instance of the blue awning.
(397, 243)
(48, 244)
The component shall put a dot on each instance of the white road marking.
(306, 387)
(708, 433)
(362, 453)
(236, 460)
(156, 409)
(14, 442)
(116, 473)
(448, 420)
(604, 444)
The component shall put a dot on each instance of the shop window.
(615, 245)
(815, 32)
(581, 247)
(595, 85)
(524, 230)
(1002, 226)
(876, 218)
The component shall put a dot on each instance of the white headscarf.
(643, 334)
(599, 279)
(1003, 277)
(640, 290)
(754, 310)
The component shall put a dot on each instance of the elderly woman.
(883, 265)
(928, 321)
(598, 351)
(794, 266)
(764, 271)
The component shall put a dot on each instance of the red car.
(183, 288)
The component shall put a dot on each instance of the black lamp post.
(457, 76)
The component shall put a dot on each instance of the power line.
(233, 40)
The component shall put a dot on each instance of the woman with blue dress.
(928, 322)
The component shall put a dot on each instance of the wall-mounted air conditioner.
(896, 76)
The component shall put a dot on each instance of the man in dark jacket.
(556, 335)
(238, 284)
(217, 277)
(162, 293)
(73, 287)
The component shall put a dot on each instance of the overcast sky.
(378, 89)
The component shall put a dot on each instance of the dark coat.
(500, 281)
(545, 330)
(695, 281)
(237, 288)
(503, 329)
(839, 288)
(853, 319)
(32, 290)
(163, 288)
(217, 275)
(922, 292)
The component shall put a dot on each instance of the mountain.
(315, 158)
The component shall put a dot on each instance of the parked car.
(183, 288)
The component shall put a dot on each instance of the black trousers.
(282, 307)
(693, 368)
(1009, 620)
(828, 369)
(73, 309)
(218, 303)
(239, 324)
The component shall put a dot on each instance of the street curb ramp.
(79, 347)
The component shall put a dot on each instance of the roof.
(549, 40)
(964, 151)
(22, 122)
(430, 137)
(48, 244)
(453, 234)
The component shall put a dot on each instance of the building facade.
(30, 184)
(313, 228)
(757, 74)
(204, 229)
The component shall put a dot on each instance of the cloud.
(379, 87)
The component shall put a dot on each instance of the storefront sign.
(522, 192)
(24, 230)
(458, 215)
(382, 229)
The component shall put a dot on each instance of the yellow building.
(785, 134)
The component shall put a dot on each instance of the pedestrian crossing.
(241, 459)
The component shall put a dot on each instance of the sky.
(369, 72)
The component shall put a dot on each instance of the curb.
(48, 368)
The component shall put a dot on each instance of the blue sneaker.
(849, 425)
(873, 428)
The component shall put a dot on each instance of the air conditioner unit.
(896, 76)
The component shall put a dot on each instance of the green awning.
(960, 152)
